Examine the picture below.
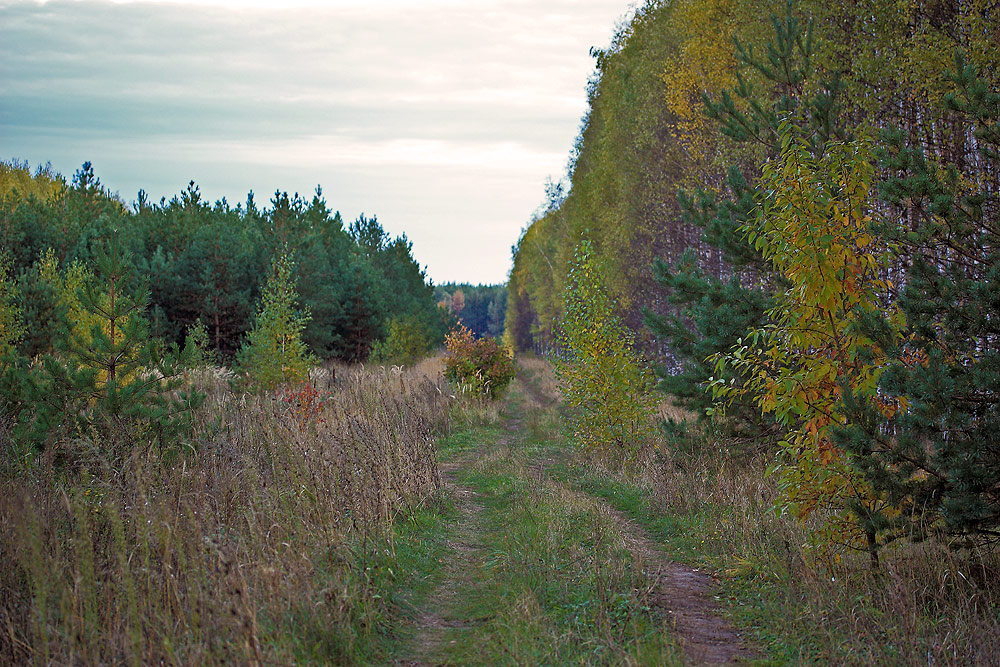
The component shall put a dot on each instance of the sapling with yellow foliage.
(813, 225)
(604, 383)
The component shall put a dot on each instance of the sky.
(442, 117)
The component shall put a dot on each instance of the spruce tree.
(274, 352)
(929, 438)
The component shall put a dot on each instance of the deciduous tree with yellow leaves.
(604, 382)
(812, 224)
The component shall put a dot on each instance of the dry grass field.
(377, 516)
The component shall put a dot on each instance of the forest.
(796, 209)
(206, 262)
(688, 99)
(479, 308)
(738, 402)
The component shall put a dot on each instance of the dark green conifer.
(111, 382)
(710, 313)
(929, 439)
(402, 289)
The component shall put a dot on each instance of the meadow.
(268, 539)
(381, 516)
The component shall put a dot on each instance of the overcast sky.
(442, 117)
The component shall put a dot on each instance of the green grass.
(464, 440)
(557, 584)
(553, 583)
(802, 611)
(687, 538)
(545, 577)
(388, 578)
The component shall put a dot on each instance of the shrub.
(407, 341)
(478, 365)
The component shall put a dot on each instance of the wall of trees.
(647, 137)
(800, 206)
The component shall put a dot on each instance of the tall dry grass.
(713, 503)
(928, 604)
(266, 542)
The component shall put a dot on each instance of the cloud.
(322, 92)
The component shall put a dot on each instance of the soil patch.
(686, 594)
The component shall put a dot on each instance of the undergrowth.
(710, 503)
(927, 605)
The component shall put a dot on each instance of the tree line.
(479, 308)
(208, 262)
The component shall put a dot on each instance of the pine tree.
(274, 352)
(11, 316)
(929, 438)
(11, 333)
(111, 381)
(712, 312)
(43, 315)
(324, 256)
